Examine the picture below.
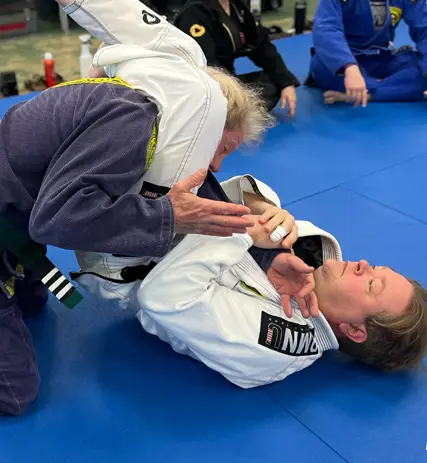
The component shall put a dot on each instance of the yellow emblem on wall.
(196, 30)
(396, 14)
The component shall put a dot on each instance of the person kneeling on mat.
(227, 30)
(153, 54)
(223, 310)
(353, 57)
(72, 177)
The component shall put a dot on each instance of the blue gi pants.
(19, 377)
(400, 76)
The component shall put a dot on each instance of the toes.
(329, 94)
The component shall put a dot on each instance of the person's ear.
(357, 333)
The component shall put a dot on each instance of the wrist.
(256, 203)
(350, 67)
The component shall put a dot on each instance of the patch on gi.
(379, 13)
(287, 337)
(396, 14)
(196, 30)
(151, 191)
(149, 18)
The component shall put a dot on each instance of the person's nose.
(361, 267)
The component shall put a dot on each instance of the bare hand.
(355, 86)
(195, 215)
(289, 97)
(95, 73)
(293, 278)
(273, 217)
(260, 237)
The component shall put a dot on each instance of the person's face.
(230, 141)
(349, 292)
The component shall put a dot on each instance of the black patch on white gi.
(149, 18)
(151, 191)
(286, 337)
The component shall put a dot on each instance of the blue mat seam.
(383, 169)
(311, 195)
(374, 172)
(306, 426)
(387, 206)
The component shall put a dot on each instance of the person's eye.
(371, 282)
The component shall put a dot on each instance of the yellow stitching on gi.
(152, 143)
(151, 147)
(96, 81)
(10, 283)
(252, 290)
(396, 14)
(196, 30)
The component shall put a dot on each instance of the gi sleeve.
(329, 39)
(220, 326)
(196, 22)
(83, 202)
(415, 16)
(132, 22)
(269, 59)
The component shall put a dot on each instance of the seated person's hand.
(291, 277)
(288, 98)
(355, 85)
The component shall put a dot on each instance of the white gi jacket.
(209, 299)
(159, 60)
(164, 63)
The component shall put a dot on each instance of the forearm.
(132, 22)
(90, 221)
(256, 203)
(329, 39)
(419, 35)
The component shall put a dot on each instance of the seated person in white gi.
(222, 309)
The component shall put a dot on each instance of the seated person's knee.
(19, 377)
(18, 390)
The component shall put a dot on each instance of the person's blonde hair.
(246, 109)
(394, 342)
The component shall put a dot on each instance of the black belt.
(32, 256)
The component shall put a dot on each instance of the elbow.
(320, 34)
(38, 233)
(45, 231)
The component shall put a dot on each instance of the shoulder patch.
(396, 14)
(196, 30)
(286, 337)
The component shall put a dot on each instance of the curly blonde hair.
(245, 107)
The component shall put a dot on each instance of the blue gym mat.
(111, 393)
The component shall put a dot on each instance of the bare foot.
(332, 97)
